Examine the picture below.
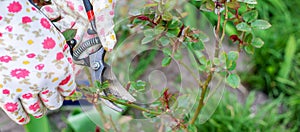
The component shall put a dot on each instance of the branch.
(129, 104)
(218, 44)
(201, 101)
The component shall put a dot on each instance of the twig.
(102, 116)
(224, 26)
(118, 101)
(218, 44)
(201, 101)
(113, 124)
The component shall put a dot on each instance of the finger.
(105, 23)
(67, 86)
(51, 99)
(32, 105)
(51, 11)
(15, 111)
(110, 39)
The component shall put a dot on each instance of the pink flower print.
(39, 66)
(59, 56)
(111, 13)
(80, 8)
(70, 60)
(6, 91)
(73, 24)
(27, 96)
(32, 8)
(72, 92)
(49, 9)
(100, 18)
(70, 5)
(45, 23)
(1, 18)
(65, 81)
(35, 106)
(65, 47)
(11, 107)
(38, 116)
(5, 59)
(45, 100)
(45, 92)
(1, 34)
(102, 32)
(22, 120)
(9, 28)
(26, 20)
(19, 73)
(49, 43)
(31, 55)
(14, 7)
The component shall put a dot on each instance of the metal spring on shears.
(87, 44)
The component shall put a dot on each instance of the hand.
(35, 64)
(74, 17)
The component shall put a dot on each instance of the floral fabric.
(35, 63)
(74, 16)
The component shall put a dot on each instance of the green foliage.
(232, 115)
(69, 34)
(166, 28)
(276, 65)
(233, 80)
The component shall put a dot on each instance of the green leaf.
(97, 84)
(203, 60)
(149, 32)
(170, 5)
(248, 1)
(208, 6)
(76, 96)
(252, 6)
(173, 32)
(198, 45)
(233, 55)
(289, 57)
(223, 57)
(233, 80)
(192, 128)
(167, 16)
(248, 39)
(250, 16)
(147, 39)
(139, 85)
(216, 61)
(231, 60)
(166, 61)
(257, 43)
(249, 49)
(244, 27)
(158, 30)
(233, 5)
(69, 34)
(174, 23)
(164, 40)
(260, 24)
(167, 51)
(232, 66)
(148, 115)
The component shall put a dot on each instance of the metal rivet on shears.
(95, 66)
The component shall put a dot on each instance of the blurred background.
(267, 100)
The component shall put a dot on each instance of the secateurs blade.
(100, 71)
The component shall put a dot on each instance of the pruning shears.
(100, 71)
